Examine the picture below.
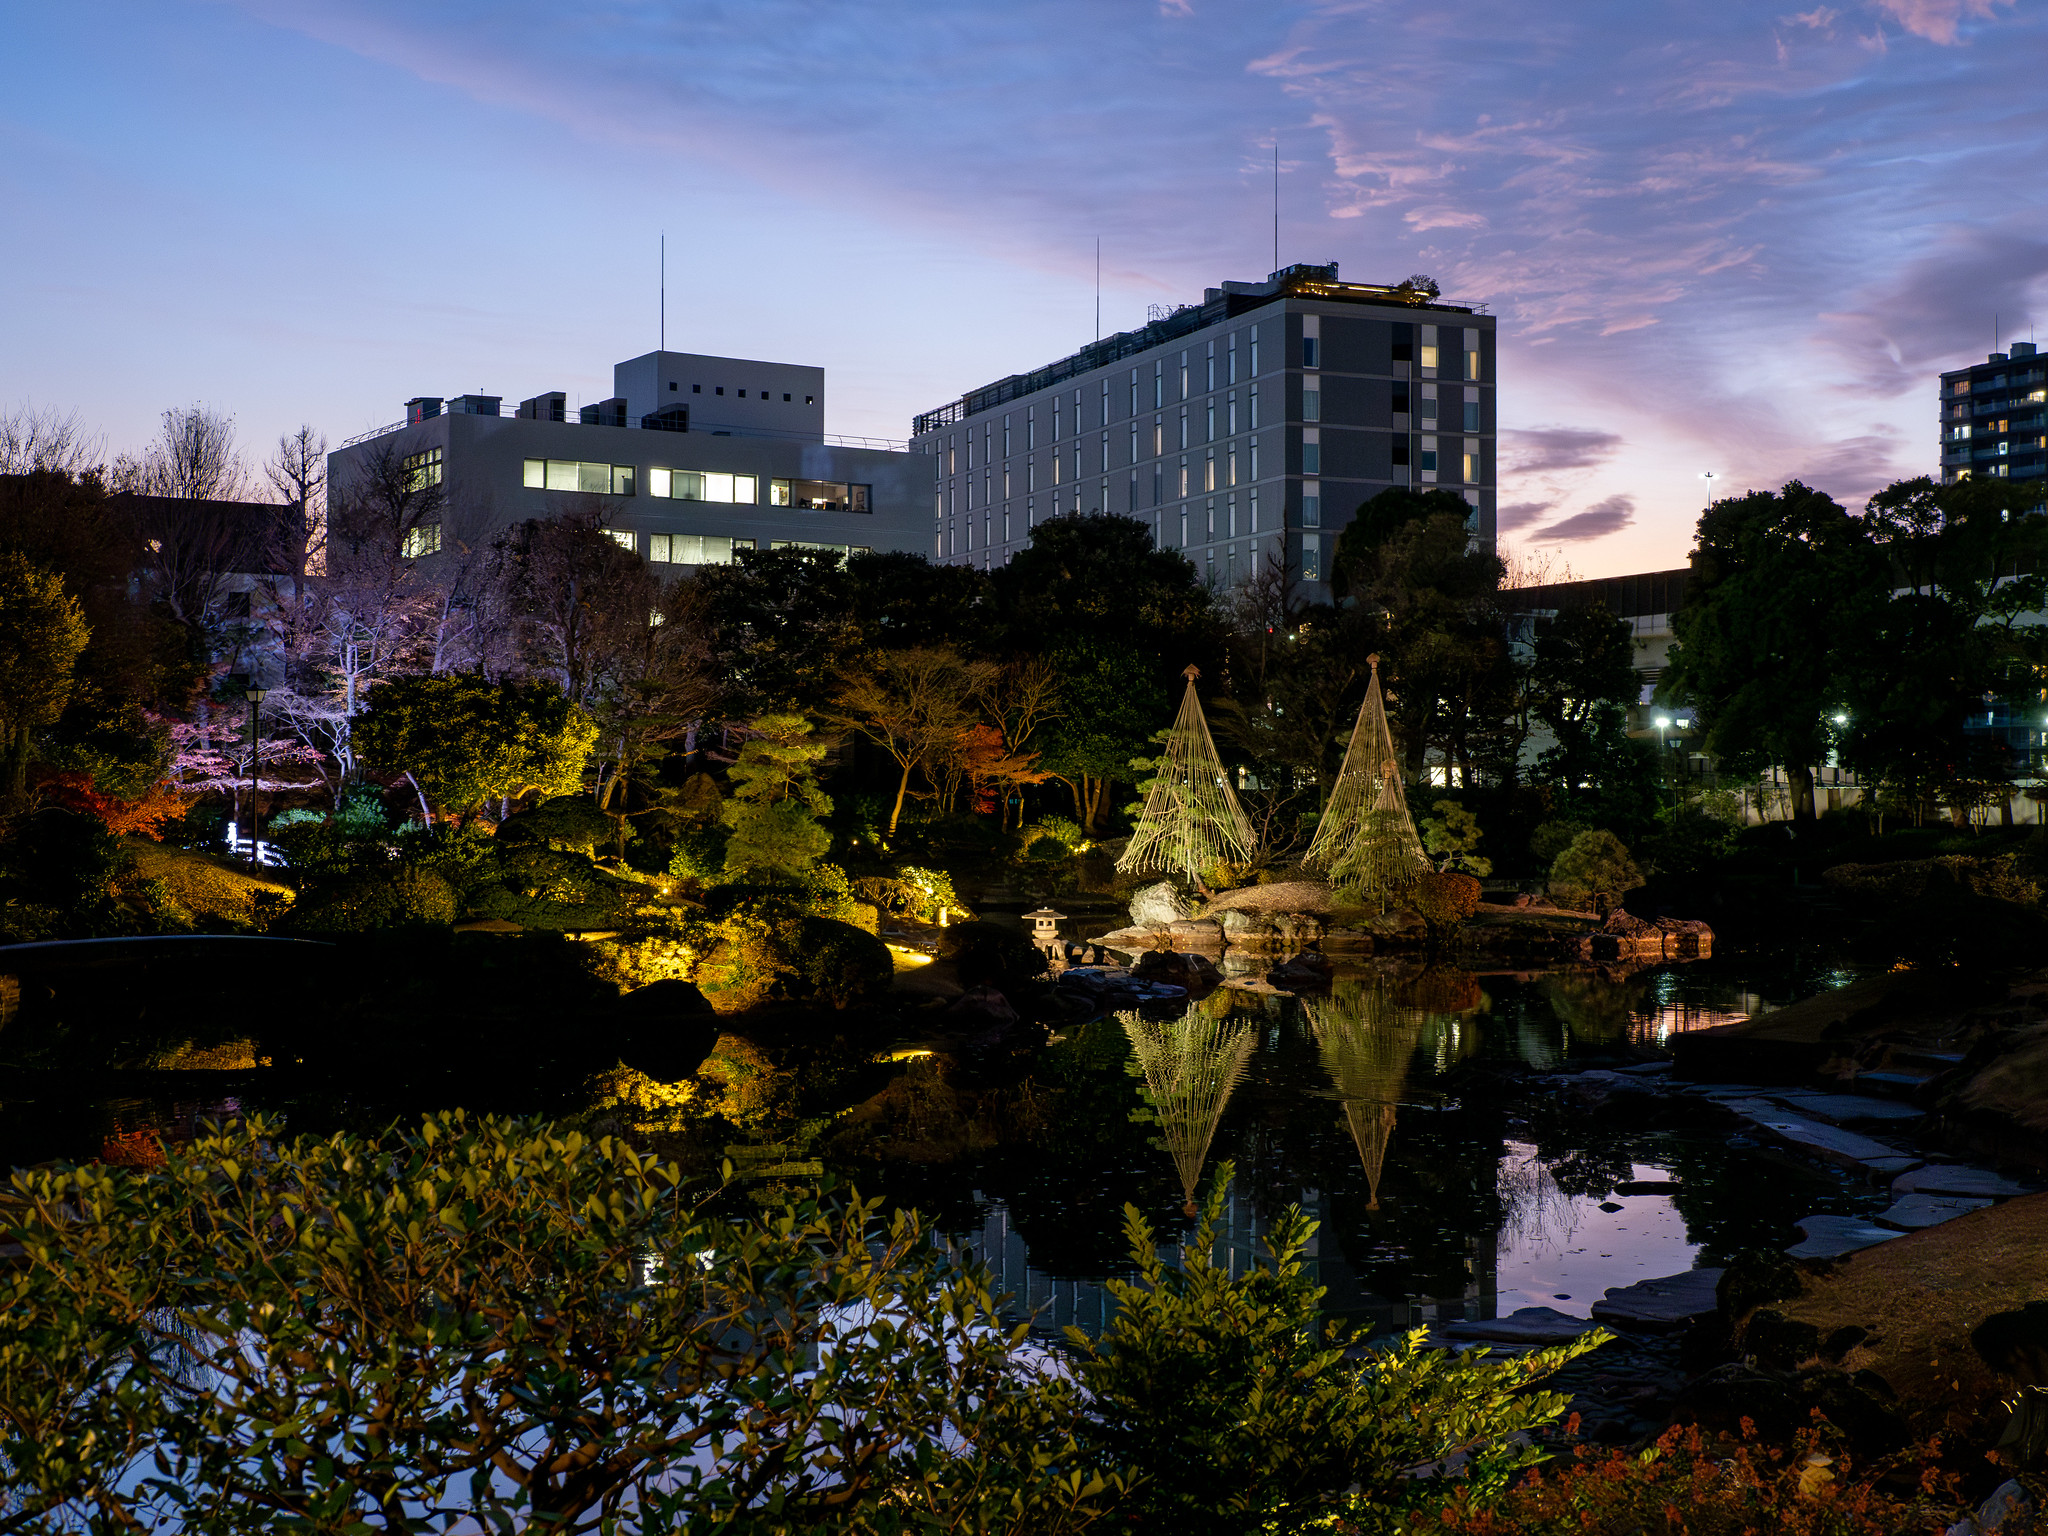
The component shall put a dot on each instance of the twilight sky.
(1736, 237)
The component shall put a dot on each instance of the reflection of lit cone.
(1366, 1042)
(1372, 1127)
(1191, 1067)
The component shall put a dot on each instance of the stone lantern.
(1045, 926)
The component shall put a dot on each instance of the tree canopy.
(464, 740)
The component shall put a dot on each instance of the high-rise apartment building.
(1244, 429)
(1994, 417)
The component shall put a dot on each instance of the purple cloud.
(1545, 450)
(1520, 514)
(1596, 522)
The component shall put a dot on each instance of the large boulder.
(1179, 969)
(1156, 908)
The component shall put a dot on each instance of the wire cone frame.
(1191, 820)
(1192, 1065)
(1366, 1040)
(1366, 841)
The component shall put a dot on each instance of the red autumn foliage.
(73, 789)
(1689, 1484)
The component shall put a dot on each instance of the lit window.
(658, 483)
(1429, 357)
(1311, 557)
(705, 485)
(821, 495)
(570, 475)
(624, 539)
(423, 540)
(1471, 363)
(423, 469)
(1472, 468)
(693, 549)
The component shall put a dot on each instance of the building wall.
(1233, 440)
(784, 399)
(1994, 418)
(483, 472)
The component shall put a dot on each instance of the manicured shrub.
(403, 896)
(1444, 900)
(572, 823)
(1595, 867)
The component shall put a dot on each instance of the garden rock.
(1911, 1213)
(1527, 1325)
(2016, 1343)
(1658, 1306)
(1830, 1237)
(666, 1029)
(1958, 1179)
(1156, 908)
(1306, 972)
(1197, 935)
(1180, 969)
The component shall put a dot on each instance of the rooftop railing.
(697, 428)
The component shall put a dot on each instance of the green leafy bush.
(1452, 837)
(572, 823)
(1062, 830)
(1242, 1409)
(350, 1292)
(1047, 850)
(1551, 838)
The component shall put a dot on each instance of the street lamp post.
(1664, 761)
(255, 695)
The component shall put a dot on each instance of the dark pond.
(1418, 1119)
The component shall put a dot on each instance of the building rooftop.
(1301, 281)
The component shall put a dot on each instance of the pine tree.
(1366, 840)
(1366, 1040)
(1191, 820)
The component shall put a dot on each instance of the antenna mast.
(664, 290)
(1098, 287)
(1276, 202)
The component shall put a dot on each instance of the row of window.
(719, 389)
(1065, 406)
(698, 485)
(709, 549)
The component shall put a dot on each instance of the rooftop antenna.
(1098, 287)
(1276, 202)
(664, 290)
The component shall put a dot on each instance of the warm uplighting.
(1663, 721)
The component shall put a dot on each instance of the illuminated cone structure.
(1367, 1041)
(1191, 1068)
(1366, 842)
(1191, 821)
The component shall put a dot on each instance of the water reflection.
(1191, 1066)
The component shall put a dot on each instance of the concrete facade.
(685, 487)
(1246, 429)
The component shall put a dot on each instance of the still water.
(1413, 1118)
(1419, 1120)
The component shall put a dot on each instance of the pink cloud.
(1596, 522)
(1937, 20)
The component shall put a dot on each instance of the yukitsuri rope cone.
(1366, 1040)
(1366, 841)
(1191, 1067)
(1191, 821)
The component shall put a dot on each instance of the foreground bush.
(493, 1321)
(1688, 1485)
(500, 1325)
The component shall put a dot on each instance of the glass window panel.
(658, 548)
(623, 539)
(1311, 405)
(594, 478)
(689, 485)
(562, 474)
(778, 493)
(745, 488)
(660, 483)
(537, 474)
(622, 479)
(717, 487)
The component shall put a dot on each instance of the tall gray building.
(1244, 429)
(696, 456)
